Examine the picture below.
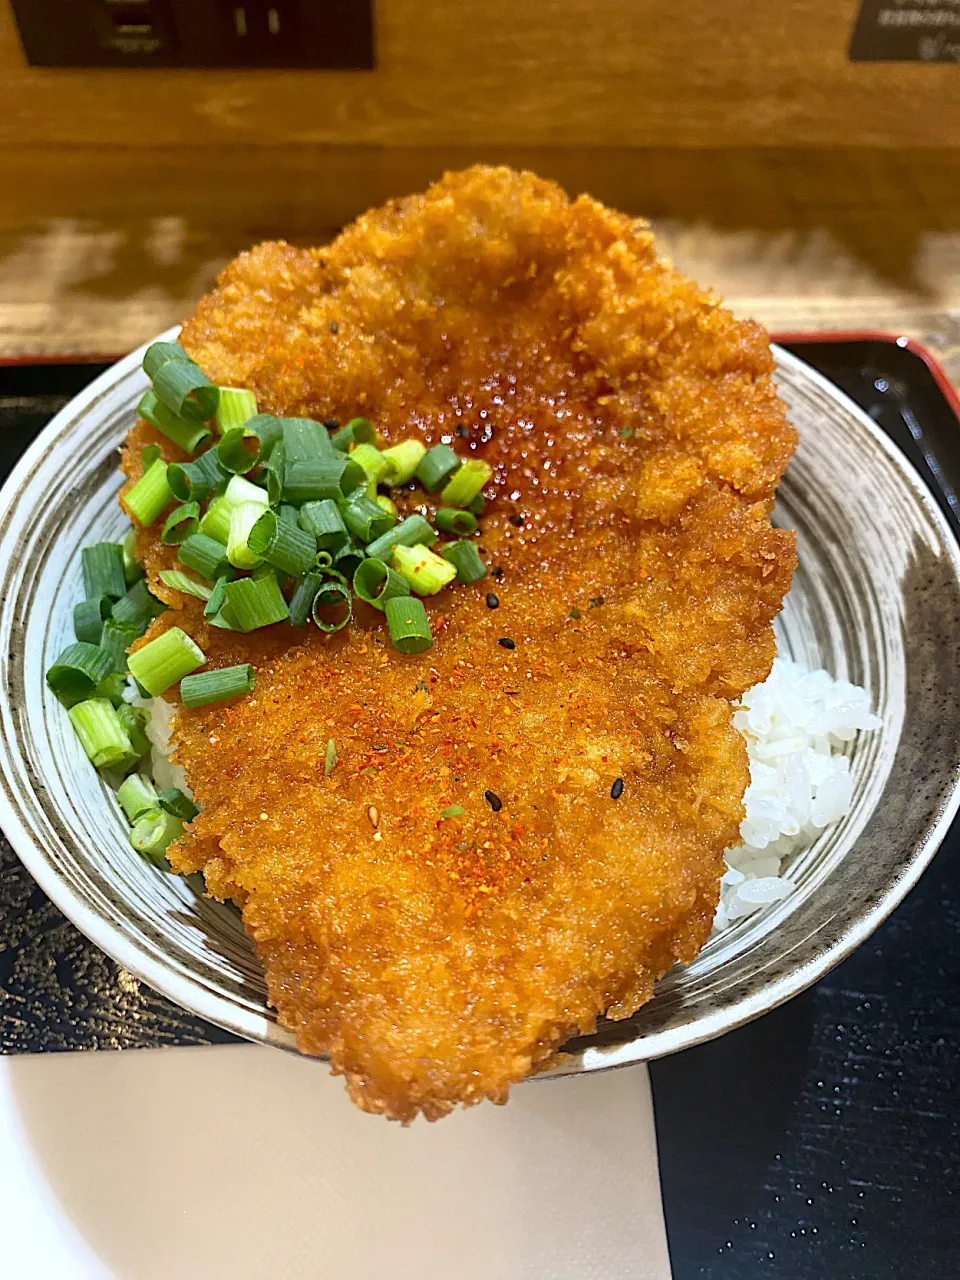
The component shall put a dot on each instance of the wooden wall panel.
(520, 73)
(101, 248)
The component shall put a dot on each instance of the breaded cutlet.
(637, 441)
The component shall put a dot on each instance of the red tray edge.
(937, 372)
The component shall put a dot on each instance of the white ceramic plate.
(876, 599)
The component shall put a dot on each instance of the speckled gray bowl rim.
(736, 1011)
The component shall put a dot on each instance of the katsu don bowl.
(875, 600)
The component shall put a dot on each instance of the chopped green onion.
(242, 520)
(347, 559)
(467, 483)
(134, 721)
(215, 521)
(132, 568)
(217, 596)
(324, 521)
(240, 490)
(327, 600)
(188, 436)
(158, 353)
(216, 686)
(452, 521)
(478, 506)
(165, 660)
(255, 602)
(370, 458)
(330, 757)
(137, 796)
(306, 440)
(78, 671)
(148, 497)
(452, 811)
(268, 430)
(466, 560)
(186, 390)
(387, 505)
(154, 833)
(402, 461)
(112, 687)
(223, 619)
(204, 555)
(138, 607)
(177, 802)
(286, 546)
(101, 734)
(427, 573)
(178, 581)
(149, 455)
(365, 518)
(408, 625)
(436, 466)
(233, 454)
(180, 524)
(407, 533)
(323, 560)
(237, 406)
(88, 618)
(103, 570)
(376, 583)
(310, 479)
(356, 431)
(116, 639)
(289, 514)
(192, 481)
(274, 472)
(302, 600)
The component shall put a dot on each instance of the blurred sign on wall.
(907, 31)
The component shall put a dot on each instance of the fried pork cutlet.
(637, 441)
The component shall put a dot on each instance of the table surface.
(823, 1139)
(819, 1140)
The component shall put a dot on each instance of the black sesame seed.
(506, 643)
(332, 424)
(616, 791)
(517, 520)
(496, 572)
(334, 327)
(493, 602)
(493, 800)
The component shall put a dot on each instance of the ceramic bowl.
(876, 599)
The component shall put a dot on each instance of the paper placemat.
(248, 1162)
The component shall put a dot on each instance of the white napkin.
(245, 1162)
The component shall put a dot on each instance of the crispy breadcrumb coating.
(637, 442)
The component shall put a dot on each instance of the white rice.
(795, 723)
(166, 774)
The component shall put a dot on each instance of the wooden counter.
(101, 249)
